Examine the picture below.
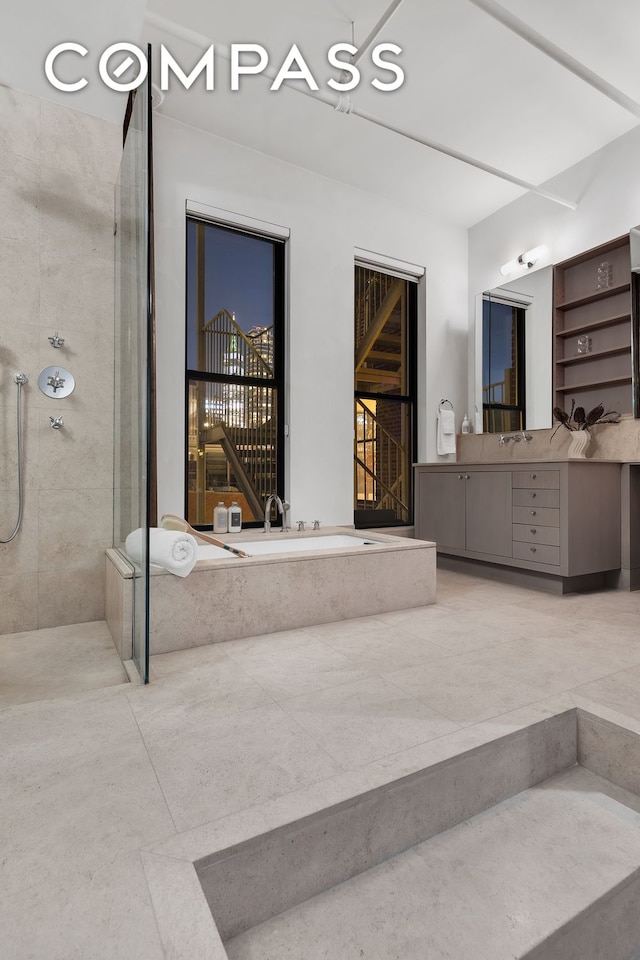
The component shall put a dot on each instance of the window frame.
(411, 397)
(521, 406)
(277, 382)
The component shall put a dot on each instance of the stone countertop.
(517, 462)
(613, 443)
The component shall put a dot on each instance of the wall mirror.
(512, 375)
(492, 367)
(634, 250)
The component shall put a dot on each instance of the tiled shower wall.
(57, 174)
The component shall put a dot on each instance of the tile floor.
(93, 769)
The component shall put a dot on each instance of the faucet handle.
(300, 526)
(316, 524)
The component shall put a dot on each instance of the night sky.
(238, 278)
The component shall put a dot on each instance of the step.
(511, 882)
(518, 837)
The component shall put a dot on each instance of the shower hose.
(20, 381)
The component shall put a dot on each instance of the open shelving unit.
(596, 304)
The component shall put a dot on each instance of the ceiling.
(472, 85)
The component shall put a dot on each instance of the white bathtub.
(287, 582)
(288, 545)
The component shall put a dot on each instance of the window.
(235, 363)
(385, 423)
(503, 396)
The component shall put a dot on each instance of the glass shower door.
(133, 362)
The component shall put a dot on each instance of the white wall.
(606, 187)
(327, 221)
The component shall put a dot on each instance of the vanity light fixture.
(527, 260)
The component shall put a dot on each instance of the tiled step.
(552, 873)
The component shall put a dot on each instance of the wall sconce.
(526, 260)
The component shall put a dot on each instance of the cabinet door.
(440, 515)
(488, 512)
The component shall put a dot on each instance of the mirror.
(533, 292)
(634, 250)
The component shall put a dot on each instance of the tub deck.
(227, 597)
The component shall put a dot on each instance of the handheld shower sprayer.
(20, 379)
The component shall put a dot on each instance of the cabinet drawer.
(527, 533)
(538, 553)
(540, 516)
(537, 479)
(538, 498)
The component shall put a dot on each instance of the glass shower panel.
(132, 362)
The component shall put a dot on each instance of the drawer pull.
(533, 512)
(533, 530)
(533, 549)
(533, 476)
(460, 477)
(532, 495)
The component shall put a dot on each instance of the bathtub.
(288, 545)
(289, 581)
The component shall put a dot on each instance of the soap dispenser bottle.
(235, 518)
(220, 518)
(466, 426)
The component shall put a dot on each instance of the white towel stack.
(446, 438)
(172, 550)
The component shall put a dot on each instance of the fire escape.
(238, 420)
(381, 463)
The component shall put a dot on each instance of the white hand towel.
(446, 433)
(172, 550)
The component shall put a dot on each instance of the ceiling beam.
(552, 50)
(343, 104)
(380, 25)
(470, 161)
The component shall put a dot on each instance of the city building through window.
(235, 363)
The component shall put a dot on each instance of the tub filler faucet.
(283, 508)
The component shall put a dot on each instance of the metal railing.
(380, 464)
(371, 288)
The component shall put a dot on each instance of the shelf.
(594, 384)
(598, 355)
(594, 325)
(595, 295)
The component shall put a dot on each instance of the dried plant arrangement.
(577, 419)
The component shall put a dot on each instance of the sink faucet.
(517, 437)
(282, 510)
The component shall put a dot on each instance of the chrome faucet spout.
(273, 498)
(516, 437)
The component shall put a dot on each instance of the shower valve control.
(56, 422)
(56, 341)
(56, 382)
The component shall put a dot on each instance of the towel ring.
(446, 401)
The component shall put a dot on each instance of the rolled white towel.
(170, 549)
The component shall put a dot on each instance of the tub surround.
(227, 598)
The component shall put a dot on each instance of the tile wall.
(57, 174)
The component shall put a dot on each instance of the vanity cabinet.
(559, 518)
(465, 509)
